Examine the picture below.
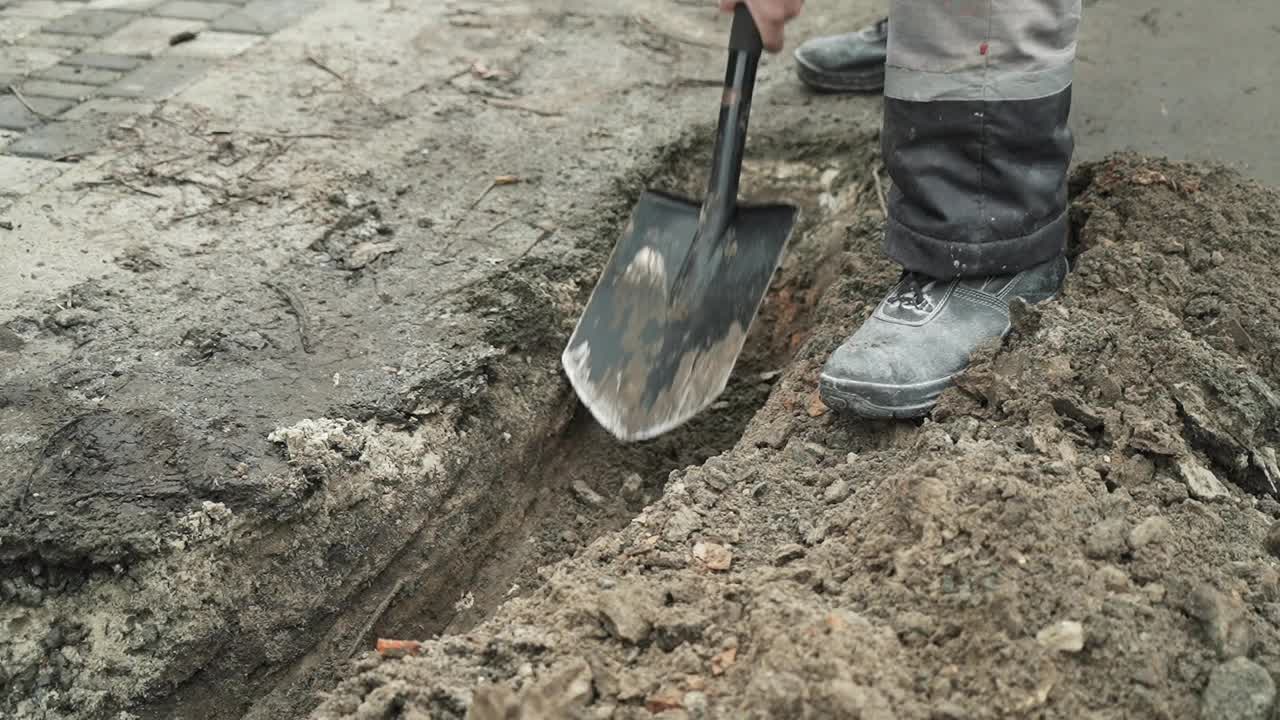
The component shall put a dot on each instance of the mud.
(1080, 530)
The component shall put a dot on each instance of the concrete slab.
(57, 89)
(14, 114)
(145, 36)
(21, 176)
(78, 74)
(109, 108)
(264, 17)
(44, 9)
(213, 44)
(62, 140)
(94, 23)
(193, 9)
(101, 61)
(159, 78)
(1184, 79)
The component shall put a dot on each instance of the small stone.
(1155, 592)
(695, 703)
(1224, 620)
(633, 488)
(713, 555)
(1107, 539)
(760, 490)
(1272, 541)
(1065, 636)
(622, 619)
(836, 491)
(586, 495)
(787, 553)
(1201, 483)
(1152, 530)
(681, 525)
(1239, 689)
(1112, 578)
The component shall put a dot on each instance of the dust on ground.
(1085, 527)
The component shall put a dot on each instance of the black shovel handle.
(721, 200)
(744, 35)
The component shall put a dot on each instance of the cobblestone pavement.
(66, 66)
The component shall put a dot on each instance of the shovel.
(668, 317)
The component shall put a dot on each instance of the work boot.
(920, 338)
(853, 62)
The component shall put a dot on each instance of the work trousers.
(977, 95)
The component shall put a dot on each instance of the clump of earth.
(1085, 526)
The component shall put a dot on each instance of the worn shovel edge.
(589, 398)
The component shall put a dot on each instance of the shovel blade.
(647, 356)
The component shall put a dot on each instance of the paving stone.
(133, 6)
(16, 29)
(45, 9)
(145, 36)
(101, 61)
(56, 89)
(264, 17)
(52, 40)
(159, 78)
(15, 116)
(95, 23)
(20, 60)
(109, 107)
(193, 10)
(211, 44)
(21, 176)
(63, 139)
(79, 75)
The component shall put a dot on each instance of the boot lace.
(911, 290)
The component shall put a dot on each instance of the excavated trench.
(584, 483)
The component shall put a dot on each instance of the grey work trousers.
(977, 95)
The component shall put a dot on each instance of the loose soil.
(1085, 527)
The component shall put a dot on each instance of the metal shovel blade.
(650, 353)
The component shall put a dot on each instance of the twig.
(537, 241)
(377, 614)
(508, 104)
(18, 94)
(884, 207)
(116, 181)
(299, 311)
(212, 208)
(320, 64)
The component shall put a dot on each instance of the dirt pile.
(1085, 527)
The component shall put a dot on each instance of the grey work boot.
(920, 337)
(852, 62)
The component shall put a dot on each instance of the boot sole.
(850, 82)
(855, 398)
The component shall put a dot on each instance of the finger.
(728, 5)
(771, 35)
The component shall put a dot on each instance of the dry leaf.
(506, 180)
(724, 661)
(661, 703)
